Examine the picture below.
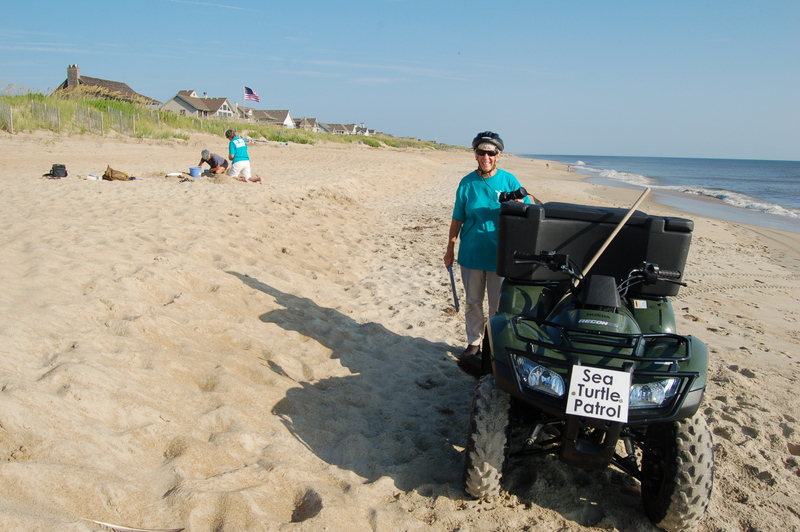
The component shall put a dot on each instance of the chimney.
(205, 95)
(73, 76)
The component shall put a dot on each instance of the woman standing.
(475, 218)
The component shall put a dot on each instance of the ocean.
(757, 192)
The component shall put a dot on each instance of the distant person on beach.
(475, 218)
(217, 163)
(239, 156)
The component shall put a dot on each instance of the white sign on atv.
(599, 393)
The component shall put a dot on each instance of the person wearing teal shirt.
(240, 158)
(475, 218)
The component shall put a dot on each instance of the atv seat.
(580, 231)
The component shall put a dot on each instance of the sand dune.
(217, 355)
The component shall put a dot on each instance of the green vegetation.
(65, 114)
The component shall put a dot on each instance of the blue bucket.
(194, 171)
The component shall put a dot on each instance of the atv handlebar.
(669, 274)
(549, 259)
(523, 258)
(649, 273)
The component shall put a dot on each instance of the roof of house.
(201, 104)
(346, 128)
(306, 122)
(115, 86)
(278, 116)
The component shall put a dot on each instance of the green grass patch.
(155, 124)
(371, 142)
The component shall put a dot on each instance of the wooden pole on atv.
(614, 233)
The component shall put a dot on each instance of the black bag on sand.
(57, 172)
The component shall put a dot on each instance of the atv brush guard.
(631, 352)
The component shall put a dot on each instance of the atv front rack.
(638, 347)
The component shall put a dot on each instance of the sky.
(717, 79)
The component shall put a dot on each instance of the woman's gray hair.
(488, 146)
(205, 154)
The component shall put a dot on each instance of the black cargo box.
(580, 231)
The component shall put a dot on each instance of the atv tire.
(487, 442)
(678, 466)
(486, 353)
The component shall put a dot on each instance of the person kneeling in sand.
(237, 153)
(217, 163)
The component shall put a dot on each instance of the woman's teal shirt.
(477, 206)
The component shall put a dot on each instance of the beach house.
(281, 118)
(307, 124)
(102, 88)
(188, 103)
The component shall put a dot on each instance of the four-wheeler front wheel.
(487, 443)
(678, 472)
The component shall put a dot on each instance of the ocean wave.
(635, 179)
(738, 199)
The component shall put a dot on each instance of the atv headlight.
(656, 393)
(539, 378)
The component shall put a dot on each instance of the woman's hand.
(449, 256)
(452, 235)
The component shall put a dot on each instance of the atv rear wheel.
(678, 468)
(487, 442)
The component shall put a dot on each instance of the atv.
(582, 360)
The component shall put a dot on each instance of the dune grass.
(155, 124)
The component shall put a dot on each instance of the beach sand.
(217, 355)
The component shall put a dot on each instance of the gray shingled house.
(188, 103)
(109, 89)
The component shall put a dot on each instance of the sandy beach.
(221, 356)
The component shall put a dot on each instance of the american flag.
(250, 94)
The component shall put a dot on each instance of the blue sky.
(675, 79)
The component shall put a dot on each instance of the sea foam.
(730, 197)
(738, 199)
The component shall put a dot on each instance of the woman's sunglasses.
(481, 153)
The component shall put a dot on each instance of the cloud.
(309, 73)
(47, 47)
(16, 33)
(214, 5)
(408, 70)
(376, 81)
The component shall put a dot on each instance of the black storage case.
(579, 231)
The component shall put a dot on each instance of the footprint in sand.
(307, 506)
(718, 330)
(794, 448)
(747, 372)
